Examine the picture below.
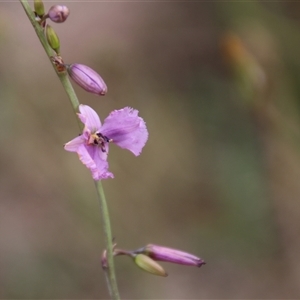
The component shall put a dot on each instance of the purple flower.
(175, 256)
(123, 127)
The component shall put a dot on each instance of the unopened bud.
(58, 13)
(149, 265)
(175, 256)
(39, 7)
(87, 78)
(52, 38)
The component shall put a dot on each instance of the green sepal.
(52, 39)
(149, 265)
(39, 7)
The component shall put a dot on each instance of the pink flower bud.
(58, 13)
(87, 78)
(161, 253)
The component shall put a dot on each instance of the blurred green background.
(219, 87)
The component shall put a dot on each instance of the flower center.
(98, 139)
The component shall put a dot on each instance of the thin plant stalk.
(109, 271)
(108, 241)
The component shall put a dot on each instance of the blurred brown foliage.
(218, 85)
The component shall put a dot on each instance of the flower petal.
(89, 118)
(94, 159)
(126, 129)
(74, 144)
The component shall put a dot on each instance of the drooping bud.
(39, 7)
(52, 38)
(161, 253)
(58, 13)
(87, 78)
(149, 265)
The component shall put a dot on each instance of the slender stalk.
(38, 29)
(64, 79)
(110, 273)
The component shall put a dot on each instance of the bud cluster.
(56, 13)
(146, 258)
(84, 76)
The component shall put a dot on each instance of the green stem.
(63, 76)
(38, 29)
(64, 79)
(108, 239)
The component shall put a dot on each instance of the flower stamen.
(98, 139)
(105, 138)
